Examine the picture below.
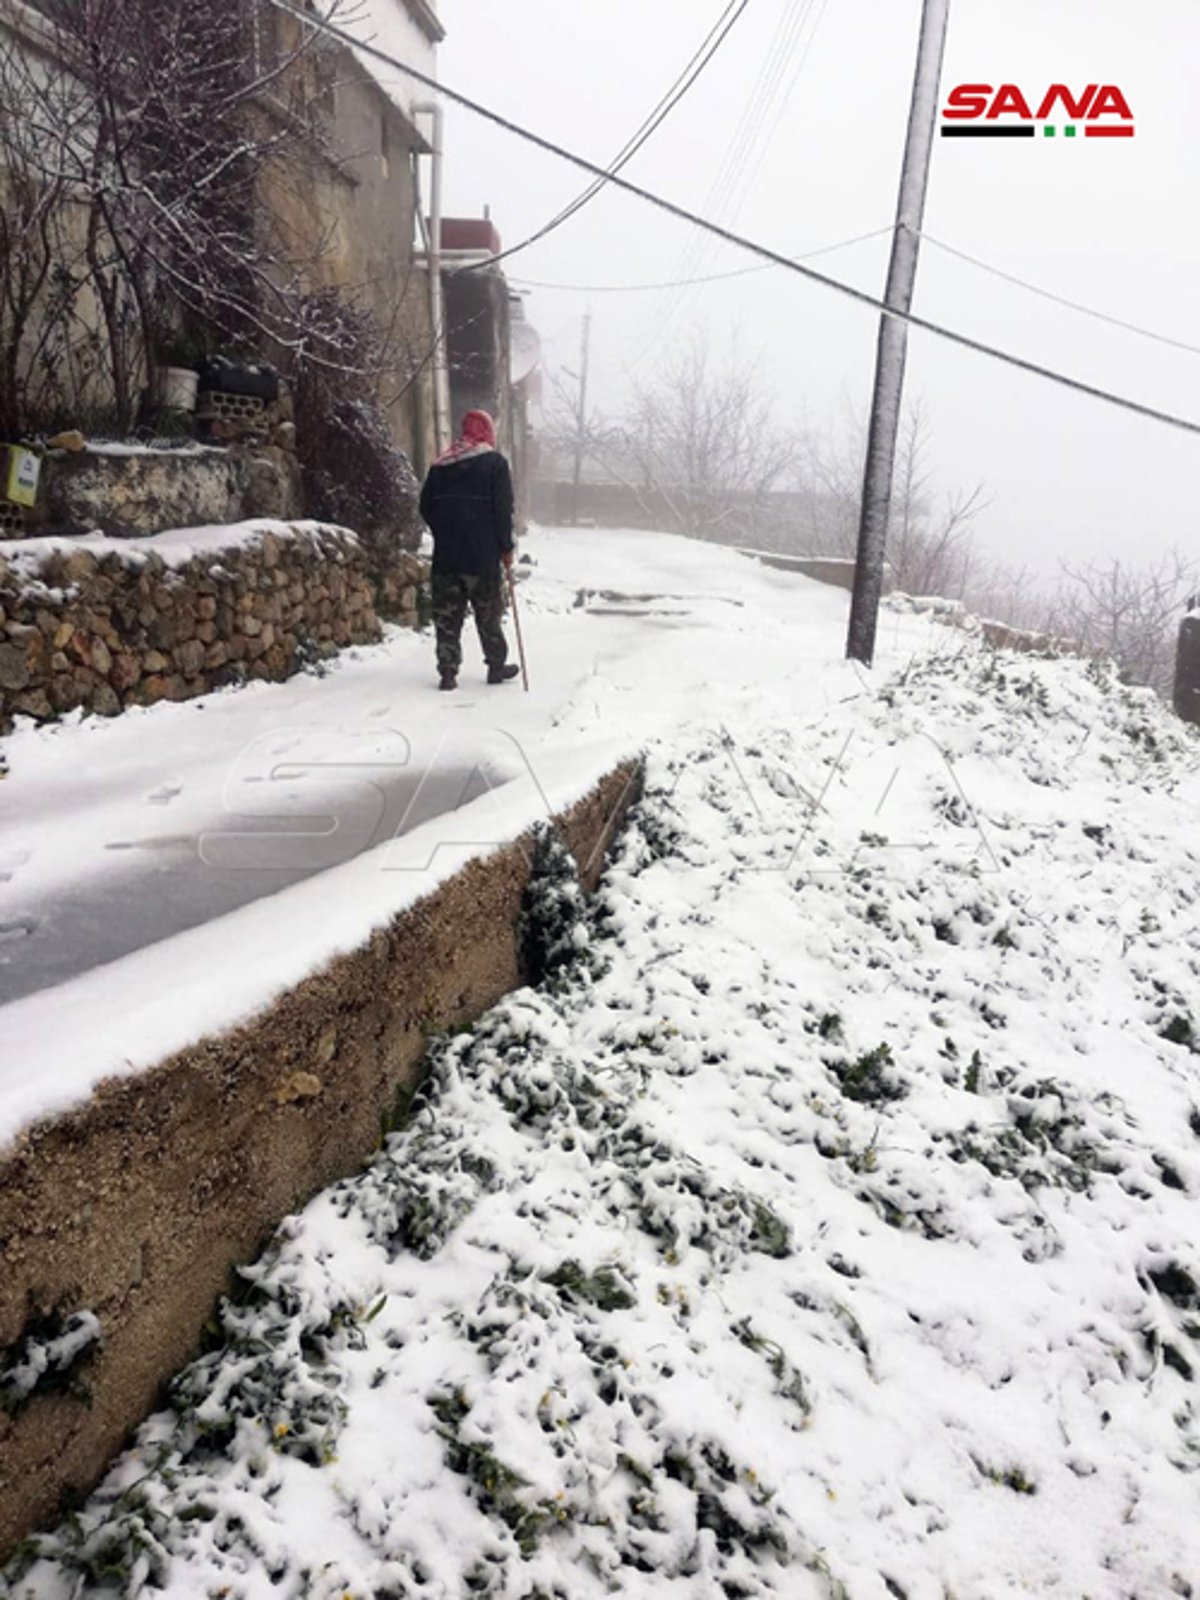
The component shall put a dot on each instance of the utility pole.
(442, 424)
(581, 414)
(892, 348)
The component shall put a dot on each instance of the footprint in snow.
(11, 861)
(163, 795)
(16, 930)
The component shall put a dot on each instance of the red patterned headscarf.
(478, 434)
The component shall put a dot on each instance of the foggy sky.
(1111, 223)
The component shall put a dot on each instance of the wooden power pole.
(581, 414)
(892, 348)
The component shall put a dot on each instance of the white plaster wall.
(390, 26)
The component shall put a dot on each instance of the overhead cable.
(712, 277)
(764, 252)
(1061, 299)
(715, 38)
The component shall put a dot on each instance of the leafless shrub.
(354, 474)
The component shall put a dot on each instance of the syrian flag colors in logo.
(981, 111)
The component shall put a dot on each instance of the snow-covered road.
(118, 835)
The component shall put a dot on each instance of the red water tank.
(470, 233)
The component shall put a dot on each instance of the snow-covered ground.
(824, 1224)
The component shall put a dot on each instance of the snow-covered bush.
(553, 928)
(47, 1357)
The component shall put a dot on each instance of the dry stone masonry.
(103, 624)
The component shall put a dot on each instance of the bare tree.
(828, 476)
(702, 434)
(1130, 613)
(998, 592)
(931, 546)
(48, 350)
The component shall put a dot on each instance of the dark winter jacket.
(468, 505)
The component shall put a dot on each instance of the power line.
(1060, 299)
(738, 169)
(862, 238)
(800, 65)
(713, 41)
(763, 251)
(712, 277)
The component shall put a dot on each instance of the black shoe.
(503, 674)
(449, 680)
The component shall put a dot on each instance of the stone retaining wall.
(134, 1208)
(103, 624)
(999, 635)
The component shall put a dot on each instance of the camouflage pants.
(484, 593)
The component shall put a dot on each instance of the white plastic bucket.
(177, 387)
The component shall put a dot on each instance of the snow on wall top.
(175, 548)
(122, 447)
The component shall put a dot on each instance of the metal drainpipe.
(437, 306)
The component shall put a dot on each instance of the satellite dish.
(525, 350)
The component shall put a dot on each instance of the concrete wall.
(835, 570)
(136, 1206)
(477, 336)
(779, 522)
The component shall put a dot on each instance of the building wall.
(355, 215)
(479, 335)
(477, 340)
(343, 205)
(408, 30)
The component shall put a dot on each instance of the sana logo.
(981, 111)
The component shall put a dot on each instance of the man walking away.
(467, 502)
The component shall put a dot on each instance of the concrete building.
(493, 352)
(363, 206)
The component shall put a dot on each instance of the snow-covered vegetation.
(47, 1356)
(822, 1224)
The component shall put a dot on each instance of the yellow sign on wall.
(24, 473)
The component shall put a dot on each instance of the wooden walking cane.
(512, 592)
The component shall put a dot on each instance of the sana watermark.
(984, 111)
